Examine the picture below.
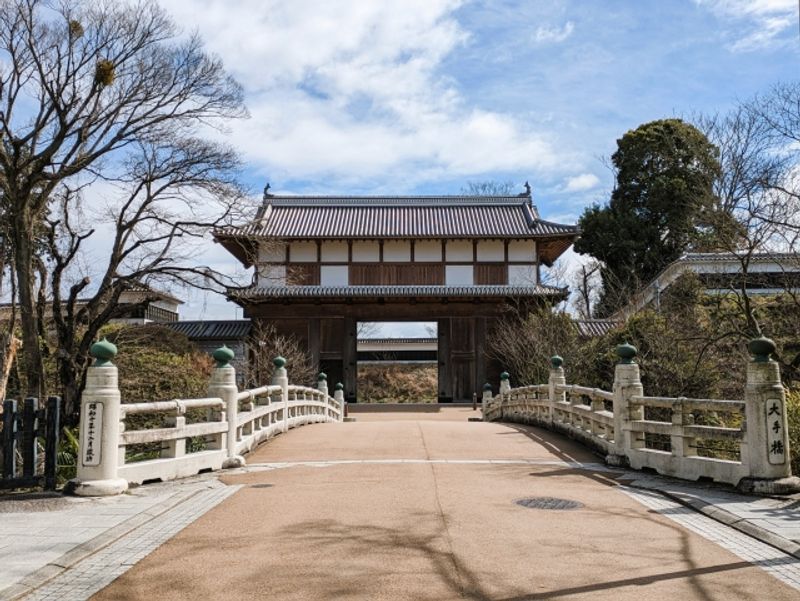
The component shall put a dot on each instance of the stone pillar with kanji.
(766, 452)
(99, 428)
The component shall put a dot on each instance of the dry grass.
(397, 383)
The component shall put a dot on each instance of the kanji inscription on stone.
(93, 427)
(776, 437)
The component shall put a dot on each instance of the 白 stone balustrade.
(231, 423)
(661, 433)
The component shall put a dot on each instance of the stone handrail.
(233, 424)
(661, 433)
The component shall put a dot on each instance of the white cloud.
(582, 182)
(554, 35)
(758, 23)
(349, 91)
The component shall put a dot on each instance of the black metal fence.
(26, 427)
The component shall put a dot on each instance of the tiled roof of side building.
(212, 330)
(419, 217)
(592, 328)
(334, 292)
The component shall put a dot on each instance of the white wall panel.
(522, 250)
(458, 275)
(458, 250)
(333, 275)
(522, 275)
(491, 250)
(271, 275)
(397, 250)
(334, 252)
(303, 252)
(428, 250)
(273, 253)
(366, 251)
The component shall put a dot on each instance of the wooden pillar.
(314, 342)
(480, 354)
(443, 357)
(349, 358)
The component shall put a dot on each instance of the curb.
(38, 578)
(732, 520)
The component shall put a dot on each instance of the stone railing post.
(766, 456)
(100, 427)
(223, 386)
(505, 388)
(556, 378)
(322, 386)
(281, 378)
(627, 383)
(338, 394)
(486, 399)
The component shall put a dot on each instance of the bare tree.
(83, 84)
(488, 188)
(266, 344)
(586, 284)
(757, 194)
(171, 195)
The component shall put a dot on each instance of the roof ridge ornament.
(527, 191)
(266, 192)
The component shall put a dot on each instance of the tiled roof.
(420, 217)
(333, 292)
(212, 330)
(592, 328)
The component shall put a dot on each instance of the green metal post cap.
(339, 386)
(487, 386)
(279, 362)
(223, 356)
(556, 361)
(103, 352)
(504, 376)
(626, 352)
(761, 348)
(322, 376)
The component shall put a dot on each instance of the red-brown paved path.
(435, 531)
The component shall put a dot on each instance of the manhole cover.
(260, 485)
(549, 503)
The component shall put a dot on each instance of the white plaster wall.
(167, 305)
(333, 275)
(334, 252)
(458, 250)
(271, 275)
(491, 250)
(365, 252)
(428, 250)
(522, 250)
(303, 252)
(458, 275)
(397, 250)
(522, 275)
(274, 253)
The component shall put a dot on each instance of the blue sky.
(422, 96)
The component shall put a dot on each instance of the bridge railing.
(183, 437)
(740, 442)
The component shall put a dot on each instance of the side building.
(323, 264)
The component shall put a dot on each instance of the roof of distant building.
(213, 330)
(592, 328)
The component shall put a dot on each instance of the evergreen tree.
(665, 171)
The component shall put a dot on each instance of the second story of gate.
(449, 241)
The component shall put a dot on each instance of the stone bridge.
(441, 505)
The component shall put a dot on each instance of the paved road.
(423, 507)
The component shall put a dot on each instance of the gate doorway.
(397, 362)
